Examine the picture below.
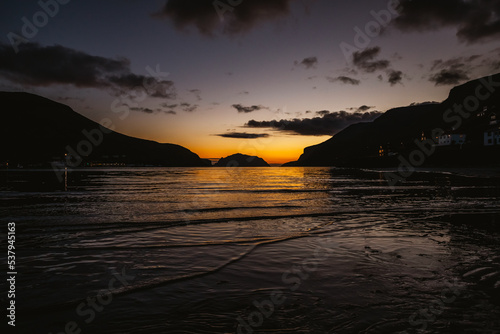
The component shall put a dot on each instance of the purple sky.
(225, 73)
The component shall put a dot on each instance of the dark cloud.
(449, 77)
(365, 60)
(350, 71)
(209, 15)
(243, 135)
(169, 106)
(144, 110)
(452, 71)
(362, 108)
(454, 63)
(170, 112)
(162, 89)
(475, 20)
(36, 65)
(395, 77)
(197, 94)
(249, 109)
(309, 62)
(344, 80)
(188, 107)
(150, 111)
(328, 124)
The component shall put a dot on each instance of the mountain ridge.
(394, 132)
(35, 131)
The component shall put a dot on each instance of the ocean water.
(253, 250)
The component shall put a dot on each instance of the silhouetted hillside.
(396, 131)
(35, 131)
(241, 160)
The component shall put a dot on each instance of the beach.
(254, 250)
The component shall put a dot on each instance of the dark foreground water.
(253, 250)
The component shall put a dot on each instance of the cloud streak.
(362, 108)
(150, 111)
(345, 80)
(243, 109)
(142, 109)
(188, 107)
(196, 93)
(449, 77)
(243, 135)
(308, 63)
(328, 123)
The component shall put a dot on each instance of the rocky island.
(241, 160)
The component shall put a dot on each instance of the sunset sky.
(213, 75)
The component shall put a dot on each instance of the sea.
(251, 250)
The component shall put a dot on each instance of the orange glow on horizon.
(277, 148)
(275, 153)
(272, 158)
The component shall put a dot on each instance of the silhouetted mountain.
(241, 160)
(35, 131)
(397, 131)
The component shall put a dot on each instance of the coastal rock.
(241, 160)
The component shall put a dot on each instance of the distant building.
(493, 119)
(423, 137)
(492, 135)
(451, 139)
(381, 151)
